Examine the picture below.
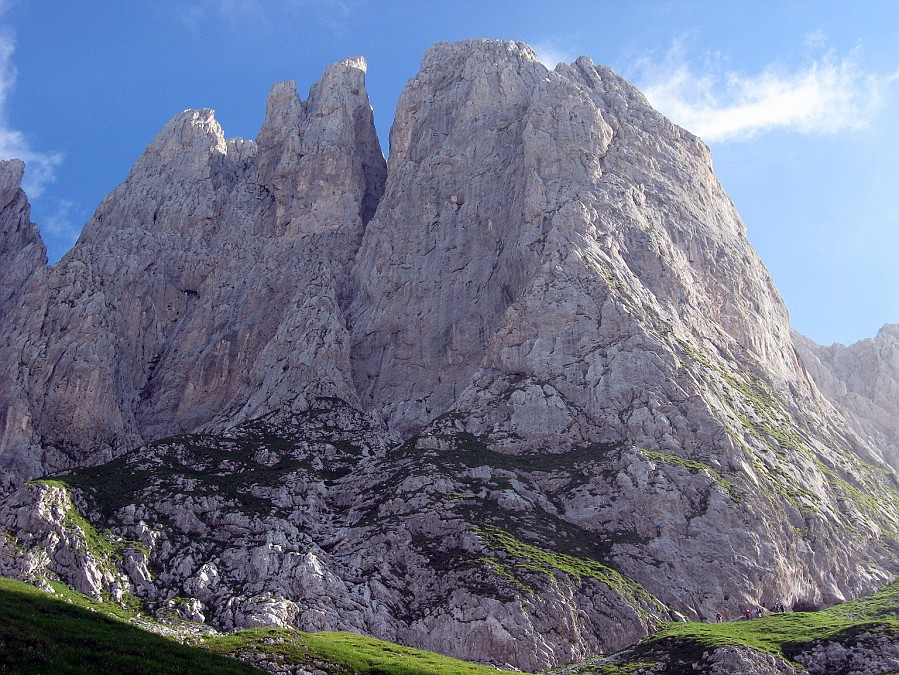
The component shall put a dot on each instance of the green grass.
(71, 633)
(342, 653)
(781, 635)
(548, 562)
(40, 633)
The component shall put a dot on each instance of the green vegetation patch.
(781, 635)
(695, 467)
(341, 653)
(41, 633)
(10, 540)
(882, 606)
(500, 569)
(100, 546)
(552, 563)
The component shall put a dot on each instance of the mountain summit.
(516, 396)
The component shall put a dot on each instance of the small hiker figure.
(658, 529)
(718, 618)
(747, 615)
(760, 612)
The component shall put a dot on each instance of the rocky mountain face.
(516, 397)
(862, 380)
(205, 289)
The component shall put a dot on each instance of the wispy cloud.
(826, 94)
(40, 167)
(58, 227)
(550, 54)
(243, 13)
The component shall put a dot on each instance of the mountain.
(862, 381)
(186, 294)
(518, 396)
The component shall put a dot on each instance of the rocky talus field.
(522, 395)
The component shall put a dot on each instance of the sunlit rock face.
(516, 397)
(205, 289)
(862, 380)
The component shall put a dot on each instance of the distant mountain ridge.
(516, 395)
(862, 381)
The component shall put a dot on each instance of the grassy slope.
(40, 633)
(345, 652)
(782, 635)
(71, 633)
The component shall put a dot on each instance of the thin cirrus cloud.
(59, 224)
(243, 14)
(40, 167)
(550, 55)
(825, 95)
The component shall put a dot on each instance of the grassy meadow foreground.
(67, 632)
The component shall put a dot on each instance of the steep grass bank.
(789, 638)
(68, 632)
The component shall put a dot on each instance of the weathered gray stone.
(862, 381)
(205, 289)
(519, 403)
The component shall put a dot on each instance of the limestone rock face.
(21, 249)
(862, 380)
(566, 273)
(204, 290)
(23, 258)
(532, 216)
(517, 397)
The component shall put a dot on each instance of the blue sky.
(799, 102)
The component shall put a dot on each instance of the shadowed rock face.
(21, 249)
(514, 399)
(206, 287)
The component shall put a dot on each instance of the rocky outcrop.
(204, 290)
(519, 403)
(862, 381)
(53, 540)
(318, 523)
(531, 216)
(872, 652)
(21, 248)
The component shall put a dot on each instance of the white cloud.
(817, 39)
(58, 225)
(40, 167)
(241, 14)
(550, 54)
(825, 95)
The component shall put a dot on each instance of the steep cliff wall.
(204, 290)
(862, 381)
